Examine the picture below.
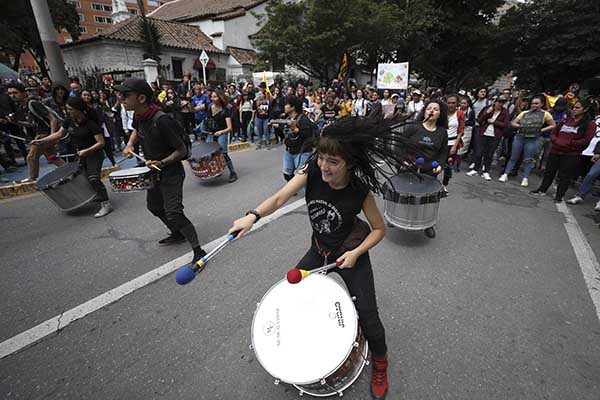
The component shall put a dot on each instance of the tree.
(552, 43)
(19, 30)
(151, 36)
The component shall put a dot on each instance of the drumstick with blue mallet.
(187, 274)
(4, 134)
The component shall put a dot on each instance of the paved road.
(495, 307)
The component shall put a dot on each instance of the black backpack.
(179, 129)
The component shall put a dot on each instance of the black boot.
(430, 232)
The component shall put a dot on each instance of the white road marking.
(59, 322)
(585, 255)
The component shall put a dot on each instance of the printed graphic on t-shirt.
(324, 217)
(426, 141)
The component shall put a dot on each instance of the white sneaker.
(104, 209)
(597, 208)
(472, 166)
(525, 182)
(503, 178)
(486, 176)
(471, 173)
(575, 200)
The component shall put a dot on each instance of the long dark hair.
(370, 147)
(588, 115)
(223, 98)
(78, 104)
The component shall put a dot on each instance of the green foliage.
(19, 30)
(552, 43)
(447, 43)
(151, 36)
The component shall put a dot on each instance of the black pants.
(484, 153)
(567, 168)
(166, 202)
(246, 118)
(108, 149)
(92, 165)
(359, 280)
(448, 168)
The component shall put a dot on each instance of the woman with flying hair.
(340, 179)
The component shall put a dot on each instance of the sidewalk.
(10, 185)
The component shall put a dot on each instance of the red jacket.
(499, 124)
(568, 140)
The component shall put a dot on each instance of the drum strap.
(323, 252)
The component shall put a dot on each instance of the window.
(152, 3)
(74, 3)
(82, 29)
(132, 11)
(99, 30)
(101, 7)
(177, 68)
(81, 18)
(69, 40)
(102, 20)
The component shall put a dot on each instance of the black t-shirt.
(301, 142)
(329, 114)
(331, 212)
(82, 136)
(216, 122)
(431, 145)
(262, 110)
(160, 142)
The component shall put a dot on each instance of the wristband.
(255, 213)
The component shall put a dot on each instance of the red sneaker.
(379, 383)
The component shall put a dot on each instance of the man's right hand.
(127, 151)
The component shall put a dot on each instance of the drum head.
(58, 175)
(302, 333)
(204, 150)
(409, 183)
(129, 172)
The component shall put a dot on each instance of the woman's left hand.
(217, 134)
(437, 169)
(82, 153)
(348, 259)
(453, 150)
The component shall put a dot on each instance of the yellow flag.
(264, 79)
(343, 68)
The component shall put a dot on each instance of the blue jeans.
(529, 147)
(263, 129)
(590, 178)
(292, 162)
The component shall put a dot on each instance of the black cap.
(137, 85)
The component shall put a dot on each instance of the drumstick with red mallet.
(295, 275)
(187, 274)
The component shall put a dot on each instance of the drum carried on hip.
(67, 187)
(133, 179)
(307, 335)
(207, 161)
(412, 203)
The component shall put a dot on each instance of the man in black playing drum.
(163, 148)
(340, 178)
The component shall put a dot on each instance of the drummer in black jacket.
(163, 148)
(429, 139)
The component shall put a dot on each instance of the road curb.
(22, 189)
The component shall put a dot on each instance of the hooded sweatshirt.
(568, 139)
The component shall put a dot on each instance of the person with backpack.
(164, 145)
(300, 137)
(530, 126)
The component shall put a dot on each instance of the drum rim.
(330, 372)
(47, 185)
(114, 174)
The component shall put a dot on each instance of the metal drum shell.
(67, 187)
(411, 203)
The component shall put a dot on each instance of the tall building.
(96, 15)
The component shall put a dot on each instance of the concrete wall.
(111, 54)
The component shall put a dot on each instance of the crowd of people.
(512, 129)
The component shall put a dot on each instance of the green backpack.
(532, 124)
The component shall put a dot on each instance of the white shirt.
(452, 129)
(415, 108)
(589, 151)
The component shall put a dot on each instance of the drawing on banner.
(392, 76)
